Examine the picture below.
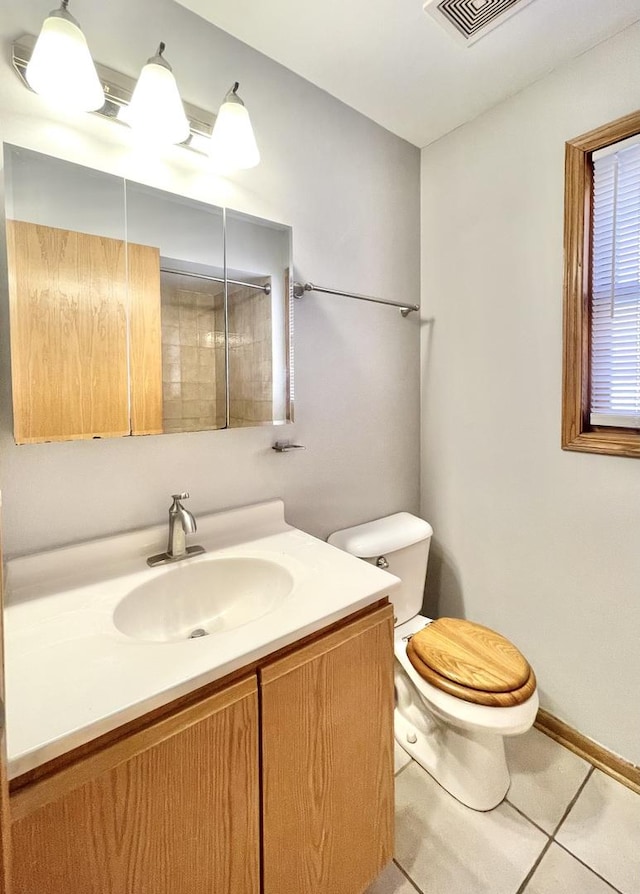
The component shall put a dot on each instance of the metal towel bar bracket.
(299, 289)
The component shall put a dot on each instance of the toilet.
(460, 687)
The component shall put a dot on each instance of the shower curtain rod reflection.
(405, 309)
(266, 288)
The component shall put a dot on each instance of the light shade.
(61, 68)
(156, 112)
(233, 144)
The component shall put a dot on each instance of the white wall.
(540, 543)
(350, 191)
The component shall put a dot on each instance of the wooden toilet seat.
(471, 662)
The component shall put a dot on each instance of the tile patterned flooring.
(564, 828)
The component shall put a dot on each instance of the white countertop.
(72, 676)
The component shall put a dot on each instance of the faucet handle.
(184, 496)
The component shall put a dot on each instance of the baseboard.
(610, 763)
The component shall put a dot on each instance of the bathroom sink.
(202, 597)
(95, 638)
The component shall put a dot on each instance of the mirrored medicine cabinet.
(135, 311)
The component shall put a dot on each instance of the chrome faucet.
(181, 523)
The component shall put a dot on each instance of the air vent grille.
(472, 19)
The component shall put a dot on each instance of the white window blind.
(615, 286)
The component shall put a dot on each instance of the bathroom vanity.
(256, 758)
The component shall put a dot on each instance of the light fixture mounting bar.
(118, 89)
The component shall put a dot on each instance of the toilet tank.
(402, 540)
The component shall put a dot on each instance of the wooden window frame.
(577, 431)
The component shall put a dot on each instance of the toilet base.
(469, 764)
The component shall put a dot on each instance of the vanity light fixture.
(61, 68)
(155, 111)
(233, 144)
(152, 105)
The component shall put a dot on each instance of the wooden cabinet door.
(172, 809)
(327, 750)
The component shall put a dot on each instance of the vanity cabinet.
(327, 752)
(172, 809)
(175, 808)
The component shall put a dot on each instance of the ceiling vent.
(469, 20)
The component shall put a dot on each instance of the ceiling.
(396, 65)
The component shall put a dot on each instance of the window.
(601, 374)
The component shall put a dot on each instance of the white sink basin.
(202, 596)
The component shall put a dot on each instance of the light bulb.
(156, 112)
(233, 144)
(61, 68)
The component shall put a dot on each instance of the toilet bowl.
(459, 741)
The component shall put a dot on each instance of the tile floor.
(564, 828)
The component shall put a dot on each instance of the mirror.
(66, 233)
(259, 342)
(126, 316)
(188, 239)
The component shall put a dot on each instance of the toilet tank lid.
(384, 535)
